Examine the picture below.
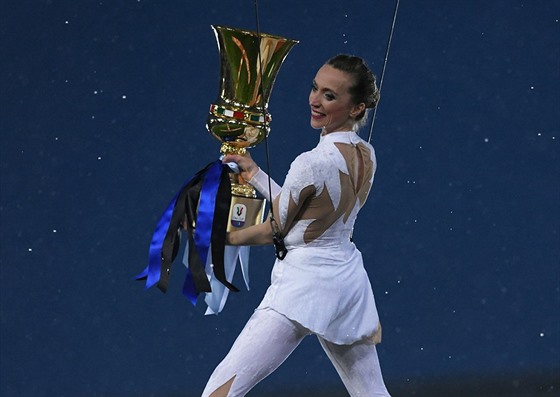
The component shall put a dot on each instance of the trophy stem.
(239, 186)
(229, 148)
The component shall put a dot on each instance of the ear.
(356, 110)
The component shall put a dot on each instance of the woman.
(321, 286)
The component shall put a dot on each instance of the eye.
(313, 87)
(329, 96)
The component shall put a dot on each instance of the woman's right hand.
(247, 167)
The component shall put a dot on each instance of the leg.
(265, 342)
(358, 367)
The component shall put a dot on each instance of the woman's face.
(331, 104)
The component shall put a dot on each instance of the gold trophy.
(239, 118)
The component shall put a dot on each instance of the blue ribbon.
(189, 290)
(153, 270)
(204, 221)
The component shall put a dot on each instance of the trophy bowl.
(249, 64)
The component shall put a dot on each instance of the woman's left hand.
(247, 166)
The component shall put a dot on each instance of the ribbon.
(152, 273)
(206, 207)
(216, 299)
(202, 207)
(195, 279)
(219, 228)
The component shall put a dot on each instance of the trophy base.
(244, 190)
(245, 212)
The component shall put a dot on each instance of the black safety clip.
(278, 240)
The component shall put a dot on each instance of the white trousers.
(269, 338)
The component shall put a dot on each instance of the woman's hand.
(247, 167)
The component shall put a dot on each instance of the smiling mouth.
(317, 115)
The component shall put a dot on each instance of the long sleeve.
(260, 182)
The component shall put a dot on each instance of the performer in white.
(321, 287)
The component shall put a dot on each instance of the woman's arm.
(260, 182)
(250, 171)
(260, 234)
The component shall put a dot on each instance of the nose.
(313, 99)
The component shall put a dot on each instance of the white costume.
(321, 287)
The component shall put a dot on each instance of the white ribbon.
(216, 299)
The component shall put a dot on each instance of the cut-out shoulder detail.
(224, 389)
(360, 167)
(325, 187)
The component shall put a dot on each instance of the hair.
(364, 89)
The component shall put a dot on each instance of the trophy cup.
(239, 118)
(214, 200)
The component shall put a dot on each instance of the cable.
(277, 239)
(384, 65)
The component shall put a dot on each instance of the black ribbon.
(209, 188)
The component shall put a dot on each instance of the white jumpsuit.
(321, 287)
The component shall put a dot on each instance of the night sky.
(102, 117)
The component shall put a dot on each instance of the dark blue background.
(103, 106)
